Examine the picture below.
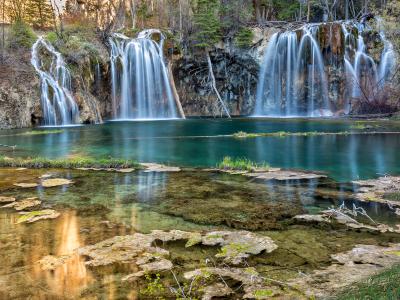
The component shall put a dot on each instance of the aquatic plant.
(67, 163)
(243, 164)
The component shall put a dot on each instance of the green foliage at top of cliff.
(206, 19)
(286, 9)
(244, 38)
(21, 35)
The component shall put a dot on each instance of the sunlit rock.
(153, 167)
(53, 182)
(24, 204)
(26, 185)
(33, 216)
(5, 199)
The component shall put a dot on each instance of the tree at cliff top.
(208, 33)
(39, 13)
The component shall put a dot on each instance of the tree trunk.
(214, 85)
(346, 9)
(175, 92)
(308, 10)
(257, 11)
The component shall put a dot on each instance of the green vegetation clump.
(42, 132)
(71, 163)
(22, 35)
(381, 286)
(242, 164)
(395, 196)
(244, 38)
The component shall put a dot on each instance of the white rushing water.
(57, 102)
(290, 64)
(293, 77)
(141, 87)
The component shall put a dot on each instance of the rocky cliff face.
(19, 91)
(236, 72)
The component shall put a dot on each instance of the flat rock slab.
(374, 190)
(282, 175)
(253, 284)
(33, 216)
(24, 203)
(350, 267)
(26, 184)
(53, 182)
(6, 199)
(153, 167)
(139, 248)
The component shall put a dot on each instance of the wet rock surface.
(24, 204)
(55, 182)
(349, 267)
(141, 250)
(33, 216)
(384, 189)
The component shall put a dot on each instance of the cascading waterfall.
(57, 102)
(293, 79)
(141, 88)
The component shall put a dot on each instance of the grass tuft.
(68, 163)
(242, 164)
(381, 286)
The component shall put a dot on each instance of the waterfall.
(141, 87)
(289, 66)
(293, 78)
(57, 102)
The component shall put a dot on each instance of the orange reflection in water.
(70, 278)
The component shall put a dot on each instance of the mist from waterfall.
(293, 79)
(57, 103)
(141, 87)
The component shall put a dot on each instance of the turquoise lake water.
(198, 143)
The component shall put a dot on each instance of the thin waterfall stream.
(58, 105)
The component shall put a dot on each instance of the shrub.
(244, 38)
(22, 35)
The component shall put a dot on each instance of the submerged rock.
(26, 184)
(24, 203)
(50, 262)
(5, 199)
(33, 216)
(349, 267)
(53, 182)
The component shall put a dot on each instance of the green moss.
(79, 162)
(27, 216)
(42, 132)
(242, 164)
(261, 294)
(52, 37)
(22, 35)
(381, 286)
(244, 38)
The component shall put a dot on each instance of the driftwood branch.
(214, 85)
